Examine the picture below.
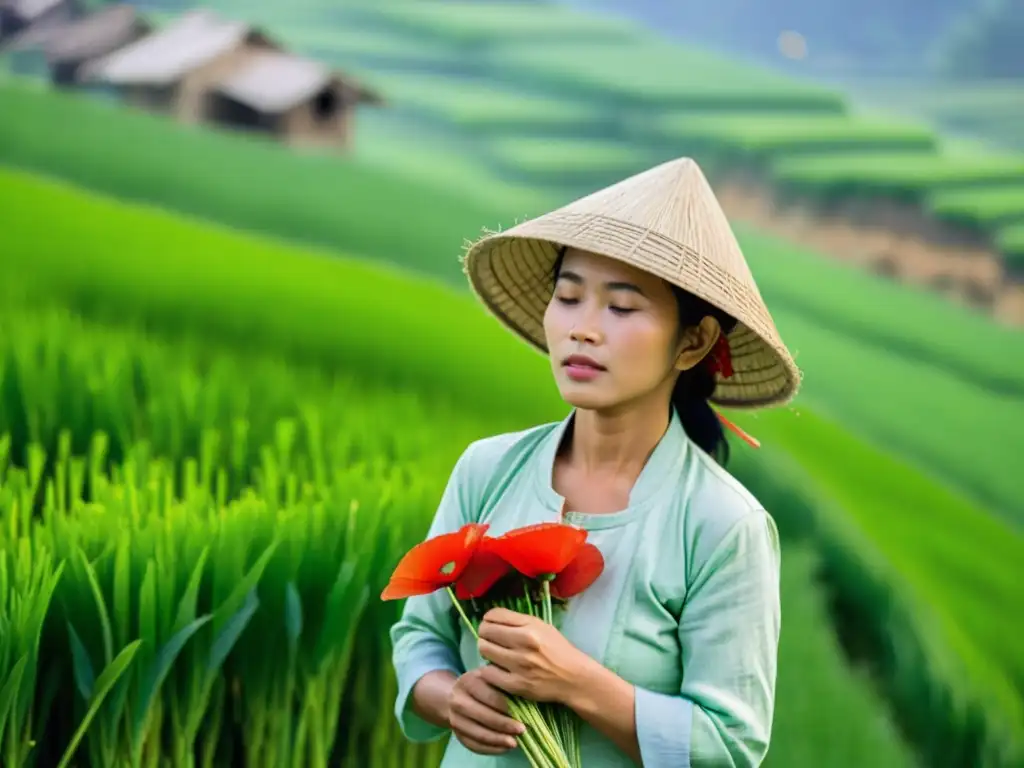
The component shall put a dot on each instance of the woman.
(643, 301)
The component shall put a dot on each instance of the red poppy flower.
(579, 574)
(539, 550)
(435, 563)
(485, 569)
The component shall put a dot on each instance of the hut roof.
(34, 20)
(171, 52)
(95, 35)
(274, 81)
(31, 9)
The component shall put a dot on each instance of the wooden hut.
(296, 100)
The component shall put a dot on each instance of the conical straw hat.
(667, 221)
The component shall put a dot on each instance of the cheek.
(643, 348)
(556, 321)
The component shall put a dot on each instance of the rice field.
(969, 655)
(990, 110)
(985, 208)
(753, 137)
(350, 205)
(283, 523)
(609, 75)
(906, 176)
(969, 364)
(166, 379)
(1011, 242)
(463, 23)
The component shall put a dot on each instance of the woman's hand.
(478, 716)
(529, 657)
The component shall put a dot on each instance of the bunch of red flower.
(526, 569)
(473, 563)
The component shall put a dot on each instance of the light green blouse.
(687, 608)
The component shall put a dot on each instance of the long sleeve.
(426, 637)
(728, 633)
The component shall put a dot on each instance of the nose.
(585, 330)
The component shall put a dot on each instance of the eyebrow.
(573, 277)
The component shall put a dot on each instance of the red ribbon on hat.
(720, 361)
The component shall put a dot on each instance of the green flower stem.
(547, 746)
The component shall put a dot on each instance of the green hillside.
(314, 312)
(498, 72)
(858, 323)
(726, 113)
(290, 339)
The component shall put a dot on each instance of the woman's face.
(612, 333)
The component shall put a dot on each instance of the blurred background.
(238, 356)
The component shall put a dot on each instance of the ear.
(696, 342)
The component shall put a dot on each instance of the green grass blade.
(101, 607)
(9, 693)
(157, 673)
(85, 677)
(108, 677)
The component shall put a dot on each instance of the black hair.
(694, 385)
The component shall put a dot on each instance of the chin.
(584, 397)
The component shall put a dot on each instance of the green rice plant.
(28, 576)
(925, 584)
(212, 281)
(912, 410)
(188, 397)
(808, 643)
(981, 209)
(240, 618)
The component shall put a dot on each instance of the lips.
(582, 361)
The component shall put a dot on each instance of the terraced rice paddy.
(308, 423)
(893, 477)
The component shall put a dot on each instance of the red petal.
(398, 589)
(538, 550)
(440, 560)
(579, 574)
(483, 572)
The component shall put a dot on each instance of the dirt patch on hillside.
(890, 238)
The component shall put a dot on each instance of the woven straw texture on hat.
(667, 221)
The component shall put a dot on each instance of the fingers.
(486, 713)
(508, 637)
(478, 717)
(489, 696)
(502, 679)
(479, 739)
(497, 654)
(505, 616)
